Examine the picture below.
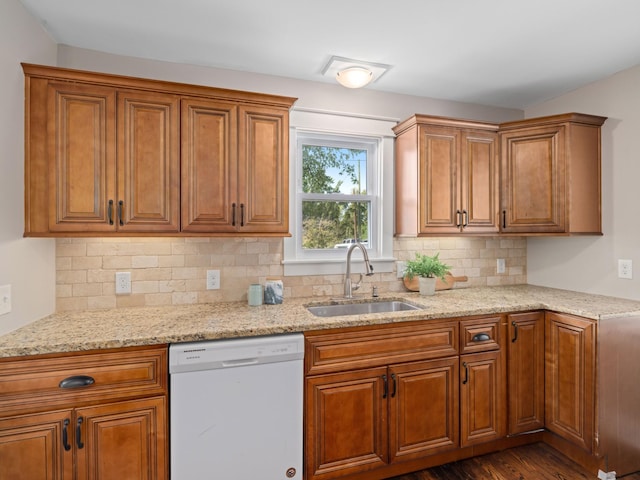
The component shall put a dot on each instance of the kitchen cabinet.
(446, 176)
(97, 184)
(570, 378)
(389, 399)
(97, 415)
(551, 179)
(115, 155)
(375, 409)
(525, 372)
(482, 381)
(233, 175)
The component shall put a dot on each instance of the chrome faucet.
(368, 270)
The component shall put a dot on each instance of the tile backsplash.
(172, 271)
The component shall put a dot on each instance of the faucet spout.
(349, 288)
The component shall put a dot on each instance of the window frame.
(349, 130)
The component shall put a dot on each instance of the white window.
(341, 191)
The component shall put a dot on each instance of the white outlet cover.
(501, 265)
(213, 279)
(5, 299)
(123, 283)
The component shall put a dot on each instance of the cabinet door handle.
(385, 390)
(233, 214)
(393, 392)
(110, 212)
(504, 219)
(76, 381)
(121, 212)
(458, 218)
(480, 337)
(242, 214)
(466, 373)
(515, 331)
(79, 433)
(465, 218)
(65, 435)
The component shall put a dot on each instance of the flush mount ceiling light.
(354, 73)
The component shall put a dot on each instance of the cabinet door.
(439, 171)
(148, 162)
(533, 180)
(479, 182)
(33, 447)
(482, 398)
(346, 423)
(263, 170)
(122, 440)
(570, 377)
(423, 408)
(525, 362)
(82, 142)
(209, 165)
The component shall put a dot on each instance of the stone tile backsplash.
(172, 271)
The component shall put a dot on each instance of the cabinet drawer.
(480, 335)
(381, 345)
(28, 383)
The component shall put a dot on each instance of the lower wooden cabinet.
(570, 378)
(525, 364)
(482, 398)
(385, 416)
(32, 447)
(114, 426)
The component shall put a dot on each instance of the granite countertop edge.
(115, 328)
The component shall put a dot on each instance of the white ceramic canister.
(255, 294)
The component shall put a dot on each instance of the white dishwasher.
(236, 408)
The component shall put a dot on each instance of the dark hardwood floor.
(531, 462)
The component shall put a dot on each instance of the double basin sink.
(361, 308)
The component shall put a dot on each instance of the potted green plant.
(427, 269)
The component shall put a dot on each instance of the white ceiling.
(508, 53)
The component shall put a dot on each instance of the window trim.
(309, 123)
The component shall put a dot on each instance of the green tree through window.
(330, 175)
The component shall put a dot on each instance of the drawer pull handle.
(242, 214)
(458, 218)
(233, 214)
(79, 433)
(466, 373)
(121, 213)
(65, 435)
(515, 331)
(110, 212)
(480, 337)
(385, 392)
(77, 381)
(393, 392)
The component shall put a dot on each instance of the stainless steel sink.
(361, 308)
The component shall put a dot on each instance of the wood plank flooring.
(531, 462)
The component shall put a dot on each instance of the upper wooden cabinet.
(531, 177)
(551, 175)
(446, 176)
(121, 155)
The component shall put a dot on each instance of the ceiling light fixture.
(354, 77)
(353, 73)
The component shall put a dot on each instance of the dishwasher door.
(236, 408)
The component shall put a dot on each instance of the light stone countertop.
(99, 329)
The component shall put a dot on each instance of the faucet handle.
(358, 284)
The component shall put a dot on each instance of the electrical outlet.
(5, 299)
(400, 266)
(213, 279)
(501, 265)
(123, 283)
(625, 268)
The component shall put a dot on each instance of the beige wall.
(25, 264)
(167, 271)
(589, 264)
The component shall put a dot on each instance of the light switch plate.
(5, 299)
